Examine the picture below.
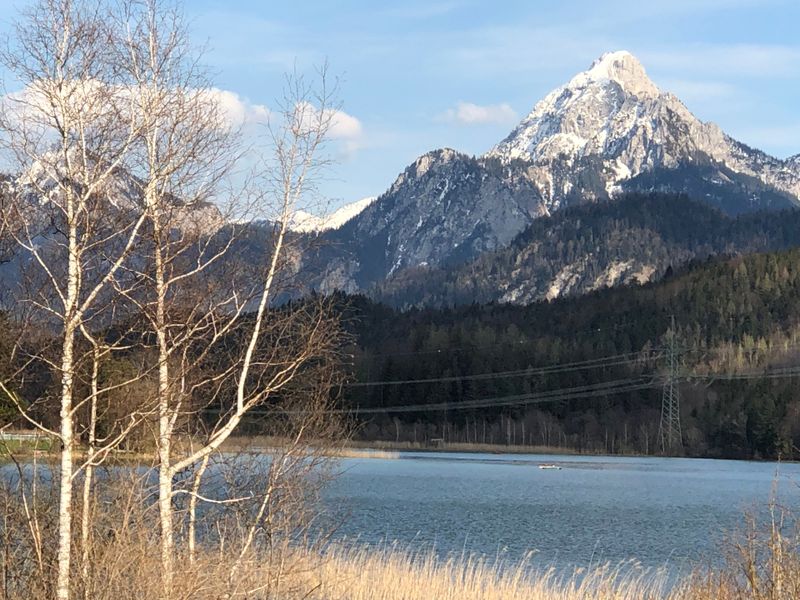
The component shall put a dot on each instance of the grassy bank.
(358, 573)
(382, 449)
(23, 444)
(261, 442)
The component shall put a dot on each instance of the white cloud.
(344, 130)
(345, 127)
(29, 103)
(251, 117)
(236, 112)
(348, 133)
(239, 111)
(467, 113)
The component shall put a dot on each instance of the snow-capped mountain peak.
(589, 114)
(612, 121)
(621, 67)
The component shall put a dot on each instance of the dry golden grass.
(362, 574)
(760, 566)
(368, 574)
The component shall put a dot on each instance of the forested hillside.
(735, 319)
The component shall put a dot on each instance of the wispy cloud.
(721, 102)
(740, 60)
(693, 90)
(467, 113)
(627, 11)
(503, 51)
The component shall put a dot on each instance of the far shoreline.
(380, 449)
(366, 449)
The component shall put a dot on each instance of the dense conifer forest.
(508, 374)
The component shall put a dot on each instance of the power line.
(558, 395)
(521, 399)
(780, 373)
(670, 426)
(596, 363)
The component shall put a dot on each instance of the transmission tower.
(670, 428)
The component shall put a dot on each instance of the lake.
(659, 511)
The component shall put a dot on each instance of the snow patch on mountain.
(306, 222)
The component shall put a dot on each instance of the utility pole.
(670, 428)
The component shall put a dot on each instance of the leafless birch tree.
(186, 151)
(68, 132)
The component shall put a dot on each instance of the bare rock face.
(445, 207)
(609, 130)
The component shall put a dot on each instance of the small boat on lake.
(549, 466)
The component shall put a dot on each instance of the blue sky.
(418, 75)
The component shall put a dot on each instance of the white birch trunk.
(65, 490)
(165, 422)
(66, 416)
(88, 475)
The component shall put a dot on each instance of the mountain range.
(608, 180)
(607, 133)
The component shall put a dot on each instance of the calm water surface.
(596, 509)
